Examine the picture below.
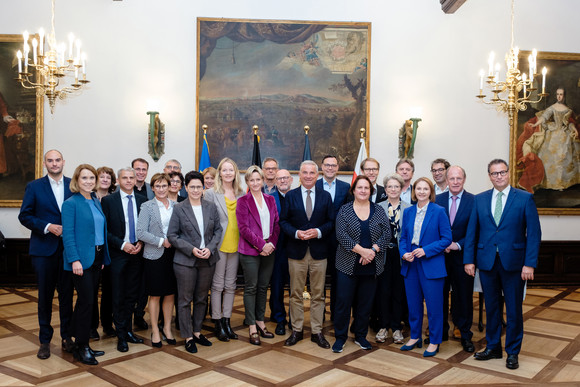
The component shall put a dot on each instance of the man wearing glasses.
(270, 167)
(338, 190)
(439, 171)
(370, 168)
(280, 275)
(503, 237)
(175, 166)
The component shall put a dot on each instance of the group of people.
(179, 239)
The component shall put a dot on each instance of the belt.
(390, 245)
(99, 248)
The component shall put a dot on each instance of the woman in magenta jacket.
(257, 217)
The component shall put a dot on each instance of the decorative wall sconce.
(156, 132)
(408, 133)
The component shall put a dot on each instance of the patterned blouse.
(348, 232)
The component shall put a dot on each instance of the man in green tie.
(503, 240)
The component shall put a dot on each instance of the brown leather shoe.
(295, 337)
(264, 332)
(255, 338)
(319, 339)
(43, 351)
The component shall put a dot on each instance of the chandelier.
(48, 68)
(506, 94)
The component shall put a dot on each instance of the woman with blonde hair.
(225, 193)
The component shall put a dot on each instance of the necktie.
(308, 204)
(453, 210)
(498, 208)
(131, 217)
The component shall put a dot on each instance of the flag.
(204, 160)
(306, 155)
(256, 158)
(362, 154)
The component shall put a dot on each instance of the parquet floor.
(550, 355)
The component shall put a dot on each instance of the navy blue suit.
(126, 269)
(39, 208)
(340, 197)
(425, 277)
(301, 264)
(500, 252)
(460, 281)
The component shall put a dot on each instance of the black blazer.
(459, 227)
(293, 218)
(381, 195)
(113, 210)
(340, 194)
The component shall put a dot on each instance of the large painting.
(21, 127)
(547, 146)
(282, 76)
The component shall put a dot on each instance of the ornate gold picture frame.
(545, 148)
(282, 76)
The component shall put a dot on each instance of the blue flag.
(307, 155)
(204, 160)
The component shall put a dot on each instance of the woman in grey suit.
(390, 295)
(195, 231)
(158, 253)
(225, 195)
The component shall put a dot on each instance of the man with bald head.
(41, 214)
(280, 275)
(458, 205)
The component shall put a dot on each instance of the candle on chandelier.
(34, 45)
(496, 72)
(544, 71)
(534, 55)
(481, 74)
(78, 46)
(524, 78)
(490, 62)
(26, 51)
(84, 59)
(71, 39)
(19, 56)
(41, 43)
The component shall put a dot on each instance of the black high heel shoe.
(168, 341)
(156, 344)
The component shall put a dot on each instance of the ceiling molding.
(450, 6)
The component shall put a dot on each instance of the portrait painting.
(21, 125)
(547, 146)
(282, 76)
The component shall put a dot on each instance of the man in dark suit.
(503, 239)
(307, 220)
(121, 210)
(458, 205)
(338, 191)
(280, 275)
(371, 168)
(41, 214)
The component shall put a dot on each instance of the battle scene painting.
(282, 76)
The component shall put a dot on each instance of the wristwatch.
(373, 249)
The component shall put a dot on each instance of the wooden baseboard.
(558, 264)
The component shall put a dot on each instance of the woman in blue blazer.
(84, 231)
(424, 236)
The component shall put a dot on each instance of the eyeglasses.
(500, 173)
(282, 178)
(173, 167)
(195, 188)
(375, 170)
(330, 165)
(271, 169)
(175, 181)
(438, 170)
(160, 186)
